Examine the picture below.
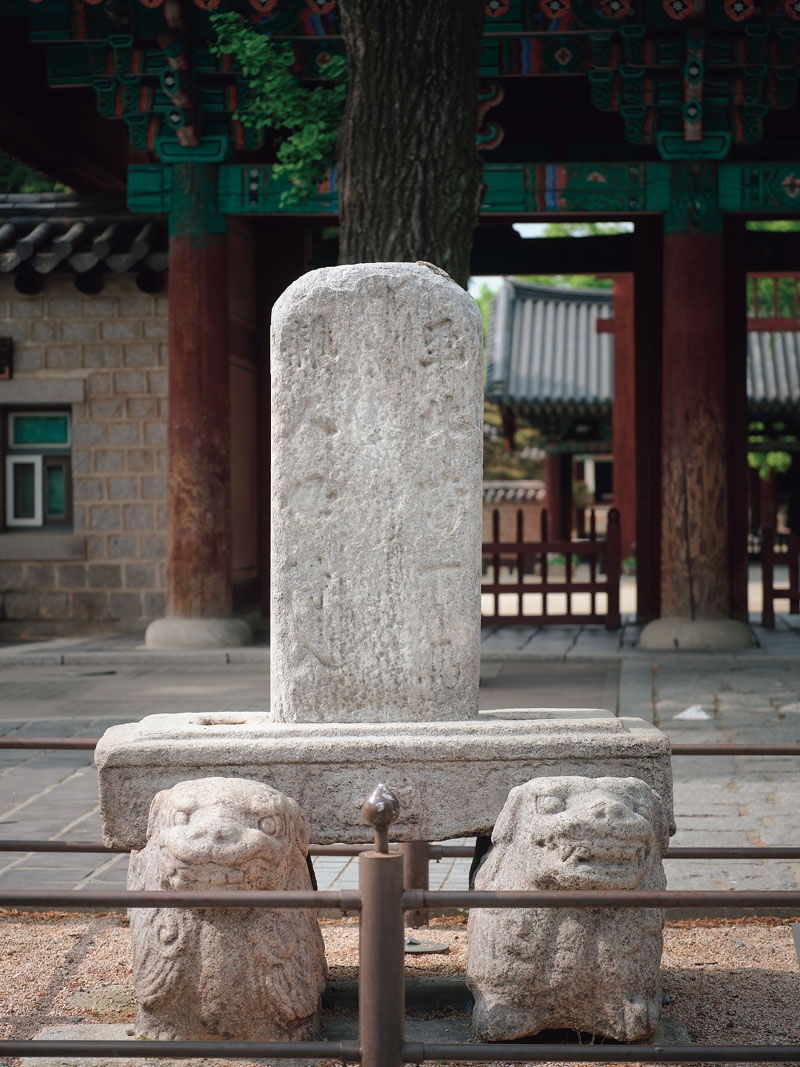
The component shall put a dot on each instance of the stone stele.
(595, 970)
(239, 974)
(452, 779)
(377, 401)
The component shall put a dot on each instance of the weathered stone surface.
(452, 779)
(239, 974)
(377, 400)
(594, 970)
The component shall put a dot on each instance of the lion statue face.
(243, 974)
(214, 833)
(581, 833)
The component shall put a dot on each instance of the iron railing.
(381, 902)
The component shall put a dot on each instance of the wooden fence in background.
(789, 554)
(534, 572)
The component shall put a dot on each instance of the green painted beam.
(760, 188)
(253, 190)
(511, 189)
(580, 188)
(150, 189)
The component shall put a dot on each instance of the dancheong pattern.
(692, 95)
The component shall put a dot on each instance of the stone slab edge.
(452, 779)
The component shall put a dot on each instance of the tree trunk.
(409, 172)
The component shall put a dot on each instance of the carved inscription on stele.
(376, 496)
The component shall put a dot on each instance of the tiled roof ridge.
(559, 292)
(41, 234)
(20, 206)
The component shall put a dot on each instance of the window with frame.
(38, 477)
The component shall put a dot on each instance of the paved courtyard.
(78, 688)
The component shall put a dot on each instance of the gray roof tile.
(544, 352)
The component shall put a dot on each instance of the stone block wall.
(507, 498)
(104, 357)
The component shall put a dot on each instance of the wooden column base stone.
(176, 632)
(695, 635)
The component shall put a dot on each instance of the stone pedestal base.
(198, 633)
(451, 778)
(695, 635)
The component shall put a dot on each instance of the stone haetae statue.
(595, 970)
(243, 974)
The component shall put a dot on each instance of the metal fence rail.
(435, 852)
(410, 1052)
(345, 1051)
(381, 902)
(519, 1053)
(693, 749)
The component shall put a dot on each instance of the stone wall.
(507, 498)
(105, 358)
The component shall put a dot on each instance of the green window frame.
(38, 474)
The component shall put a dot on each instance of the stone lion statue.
(248, 974)
(595, 970)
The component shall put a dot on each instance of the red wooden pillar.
(736, 411)
(558, 494)
(624, 413)
(648, 293)
(199, 586)
(696, 591)
(694, 535)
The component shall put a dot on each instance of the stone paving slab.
(550, 686)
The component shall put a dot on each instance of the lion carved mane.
(225, 973)
(595, 970)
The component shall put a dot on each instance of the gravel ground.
(729, 982)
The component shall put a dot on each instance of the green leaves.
(16, 177)
(768, 460)
(308, 119)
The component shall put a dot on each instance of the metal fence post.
(381, 982)
(416, 867)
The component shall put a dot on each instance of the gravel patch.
(729, 981)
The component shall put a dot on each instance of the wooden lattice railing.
(789, 555)
(530, 574)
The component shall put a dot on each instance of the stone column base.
(197, 633)
(695, 635)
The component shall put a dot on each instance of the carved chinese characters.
(376, 523)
